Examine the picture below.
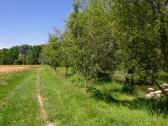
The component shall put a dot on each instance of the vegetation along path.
(43, 97)
(19, 105)
(44, 113)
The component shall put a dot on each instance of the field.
(40, 96)
(14, 68)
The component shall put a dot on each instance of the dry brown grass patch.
(4, 69)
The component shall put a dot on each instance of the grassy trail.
(65, 102)
(43, 112)
(68, 104)
(19, 106)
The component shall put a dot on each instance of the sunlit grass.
(68, 103)
(18, 100)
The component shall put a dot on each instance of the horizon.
(39, 44)
(28, 22)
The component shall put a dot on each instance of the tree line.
(24, 54)
(104, 36)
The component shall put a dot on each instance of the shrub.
(159, 106)
(129, 89)
(95, 93)
(103, 77)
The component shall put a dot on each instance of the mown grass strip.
(20, 106)
(9, 81)
(69, 104)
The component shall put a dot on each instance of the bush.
(163, 76)
(18, 62)
(159, 106)
(103, 77)
(129, 89)
(95, 93)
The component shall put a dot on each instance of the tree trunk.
(86, 82)
(163, 36)
(126, 80)
(165, 94)
(66, 74)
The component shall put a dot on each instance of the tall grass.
(68, 103)
(18, 100)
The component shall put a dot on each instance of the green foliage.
(24, 54)
(95, 93)
(93, 42)
(138, 28)
(51, 52)
(109, 35)
(8, 56)
(129, 89)
(69, 103)
(34, 56)
(18, 102)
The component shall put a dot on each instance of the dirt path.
(43, 112)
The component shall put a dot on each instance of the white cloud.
(2, 46)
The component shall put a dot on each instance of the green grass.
(9, 81)
(115, 89)
(69, 104)
(18, 100)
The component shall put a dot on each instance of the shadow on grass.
(153, 106)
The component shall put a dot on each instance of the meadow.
(107, 65)
(68, 103)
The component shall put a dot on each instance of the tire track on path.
(43, 111)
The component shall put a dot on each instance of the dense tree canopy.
(105, 36)
(108, 35)
(24, 54)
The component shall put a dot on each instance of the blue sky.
(30, 21)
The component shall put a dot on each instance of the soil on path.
(43, 111)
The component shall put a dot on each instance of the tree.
(139, 26)
(93, 41)
(67, 51)
(7, 56)
(33, 56)
(51, 52)
(24, 54)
